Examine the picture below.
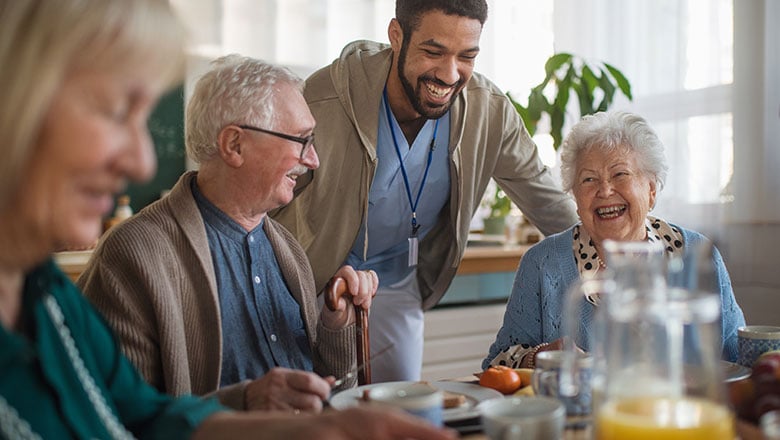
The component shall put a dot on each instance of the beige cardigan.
(153, 279)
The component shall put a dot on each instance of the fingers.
(391, 424)
(362, 284)
(286, 390)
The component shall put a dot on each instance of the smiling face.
(613, 195)
(273, 164)
(434, 63)
(93, 139)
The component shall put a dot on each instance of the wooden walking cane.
(335, 291)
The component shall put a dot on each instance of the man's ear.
(395, 34)
(230, 145)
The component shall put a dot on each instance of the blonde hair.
(43, 41)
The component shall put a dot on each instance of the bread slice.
(452, 400)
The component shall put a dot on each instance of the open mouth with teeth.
(438, 93)
(610, 212)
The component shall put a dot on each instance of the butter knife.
(353, 373)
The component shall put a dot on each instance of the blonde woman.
(80, 78)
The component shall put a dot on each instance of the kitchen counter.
(490, 258)
(73, 262)
(480, 257)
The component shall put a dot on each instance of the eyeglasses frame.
(306, 142)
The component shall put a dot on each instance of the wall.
(166, 125)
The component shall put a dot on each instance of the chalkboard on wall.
(166, 125)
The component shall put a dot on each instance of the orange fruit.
(501, 378)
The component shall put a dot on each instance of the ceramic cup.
(755, 340)
(417, 398)
(547, 375)
(523, 417)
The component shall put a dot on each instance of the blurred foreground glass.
(655, 344)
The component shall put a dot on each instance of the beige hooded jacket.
(487, 139)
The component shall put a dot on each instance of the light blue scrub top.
(389, 211)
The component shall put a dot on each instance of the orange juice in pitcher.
(656, 349)
(664, 418)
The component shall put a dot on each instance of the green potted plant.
(499, 205)
(594, 83)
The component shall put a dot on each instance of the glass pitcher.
(656, 350)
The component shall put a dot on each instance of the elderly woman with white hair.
(614, 165)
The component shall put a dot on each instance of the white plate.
(474, 394)
(733, 372)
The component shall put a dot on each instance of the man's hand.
(288, 390)
(362, 285)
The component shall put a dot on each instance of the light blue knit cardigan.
(535, 308)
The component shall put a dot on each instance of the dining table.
(581, 428)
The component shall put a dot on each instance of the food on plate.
(525, 376)
(449, 398)
(527, 390)
(760, 393)
(501, 378)
(452, 400)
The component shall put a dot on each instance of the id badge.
(412, 251)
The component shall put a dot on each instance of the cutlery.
(352, 373)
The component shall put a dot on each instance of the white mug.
(417, 398)
(523, 417)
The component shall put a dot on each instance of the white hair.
(237, 90)
(611, 130)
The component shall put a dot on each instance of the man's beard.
(414, 96)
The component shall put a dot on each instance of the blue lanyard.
(413, 205)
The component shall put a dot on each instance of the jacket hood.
(362, 65)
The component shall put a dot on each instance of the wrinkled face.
(613, 195)
(437, 61)
(273, 164)
(93, 139)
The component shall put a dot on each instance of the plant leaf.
(556, 126)
(621, 80)
(585, 99)
(555, 62)
(589, 78)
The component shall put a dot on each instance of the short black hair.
(409, 12)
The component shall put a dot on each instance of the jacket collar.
(363, 67)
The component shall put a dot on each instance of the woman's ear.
(653, 186)
(230, 147)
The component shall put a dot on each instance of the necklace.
(13, 426)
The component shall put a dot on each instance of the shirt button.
(273, 338)
(251, 239)
(257, 279)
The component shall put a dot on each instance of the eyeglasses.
(306, 142)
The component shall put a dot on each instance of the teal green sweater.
(38, 380)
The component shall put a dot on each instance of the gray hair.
(237, 90)
(44, 41)
(609, 131)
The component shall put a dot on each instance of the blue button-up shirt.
(262, 325)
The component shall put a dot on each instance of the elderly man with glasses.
(206, 293)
